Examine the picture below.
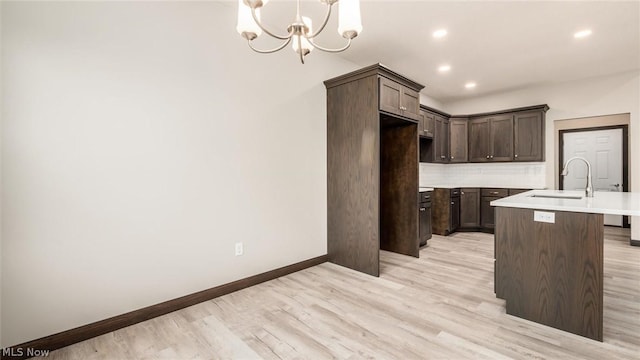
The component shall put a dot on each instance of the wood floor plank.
(440, 306)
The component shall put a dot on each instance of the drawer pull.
(423, 209)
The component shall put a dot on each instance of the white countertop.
(441, 186)
(603, 202)
(423, 189)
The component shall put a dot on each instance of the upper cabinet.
(458, 144)
(515, 135)
(501, 137)
(398, 99)
(528, 136)
(426, 126)
(491, 138)
(441, 139)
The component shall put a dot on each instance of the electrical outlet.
(239, 249)
(544, 216)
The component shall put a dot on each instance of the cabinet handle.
(452, 203)
(492, 156)
(487, 156)
(494, 193)
(516, 155)
(442, 156)
(462, 193)
(423, 209)
(452, 158)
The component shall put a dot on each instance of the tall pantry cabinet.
(372, 167)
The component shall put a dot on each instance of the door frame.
(625, 157)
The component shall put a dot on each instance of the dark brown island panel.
(551, 273)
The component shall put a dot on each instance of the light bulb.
(349, 22)
(247, 27)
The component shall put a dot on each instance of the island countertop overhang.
(609, 203)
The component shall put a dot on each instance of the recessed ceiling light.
(470, 85)
(444, 68)
(440, 33)
(582, 33)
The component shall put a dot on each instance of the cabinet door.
(479, 149)
(487, 212)
(390, 95)
(458, 143)
(410, 103)
(501, 135)
(455, 214)
(528, 137)
(424, 222)
(426, 124)
(470, 208)
(441, 139)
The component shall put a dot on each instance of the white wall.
(141, 140)
(598, 96)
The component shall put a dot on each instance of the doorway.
(606, 148)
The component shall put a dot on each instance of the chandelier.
(299, 33)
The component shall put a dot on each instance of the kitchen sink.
(570, 197)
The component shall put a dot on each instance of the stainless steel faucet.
(565, 171)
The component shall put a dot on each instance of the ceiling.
(501, 46)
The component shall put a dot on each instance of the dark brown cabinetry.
(458, 142)
(426, 124)
(372, 168)
(441, 139)
(424, 215)
(466, 209)
(491, 138)
(398, 99)
(469, 208)
(487, 212)
(528, 136)
(445, 210)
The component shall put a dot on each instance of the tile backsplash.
(514, 175)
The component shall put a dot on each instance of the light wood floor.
(440, 306)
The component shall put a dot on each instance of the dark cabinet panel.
(479, 149)
(390, 95)
(517, 191)
(469, 208)
(491, 138)
(398, 99)
(426, 123)
(458, 144)
(446, 211)
(424, 214)
(410, 103)
(455, 214)
(528, 136)
(487, 214)
(441, 140)
(501, 136)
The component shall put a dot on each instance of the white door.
(603, 149)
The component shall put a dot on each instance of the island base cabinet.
(551, 273)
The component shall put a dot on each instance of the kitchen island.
(549, 256)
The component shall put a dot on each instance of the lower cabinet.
(446, 211)
(487, 212)
(469, 208)
(424, 217)
(466, 209)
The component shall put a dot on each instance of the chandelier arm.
(271, 50)
(330, 50)
(300, 49)
(255, 18)
(324, 23)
